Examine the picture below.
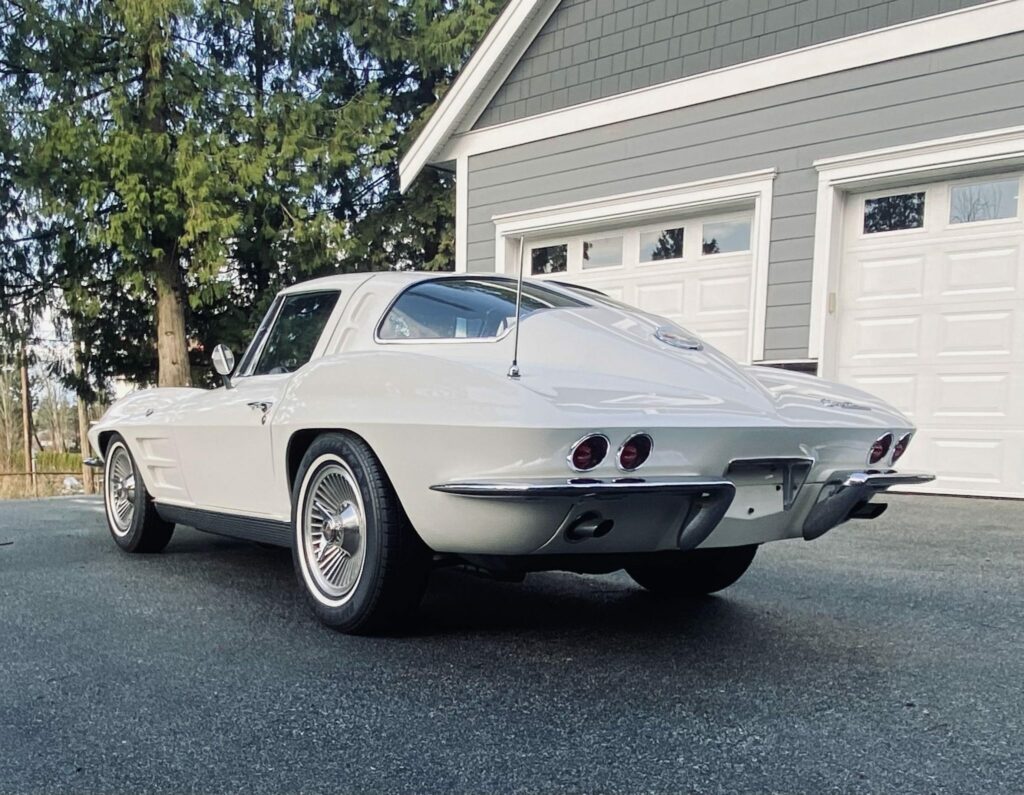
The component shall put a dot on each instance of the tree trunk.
(83, 411)
(83, 445)
(26, 420)
(171, 346)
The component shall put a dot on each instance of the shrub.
(53, 461)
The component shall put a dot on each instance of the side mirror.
(224, 363)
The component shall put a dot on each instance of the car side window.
(464, 308)
(296, 331)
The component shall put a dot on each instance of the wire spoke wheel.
(120, 488)
(355, 553)
(334, 531)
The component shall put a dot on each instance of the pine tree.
(184, 158)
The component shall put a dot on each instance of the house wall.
(959, 90)
(591, 49)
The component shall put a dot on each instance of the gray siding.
(590, 49)
(964, 89)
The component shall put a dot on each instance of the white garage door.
(696, 271)
(930, 315)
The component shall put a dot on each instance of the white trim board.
(635, 207)
(478, 80)
(461, 214)
(977, 23)
(937, 160)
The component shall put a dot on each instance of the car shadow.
(461, 602)
(602, 617)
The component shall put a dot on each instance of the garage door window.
(894, 213)
(992, 200)
(726, 237)
(602, 253)
(548, 259)
(661, 244)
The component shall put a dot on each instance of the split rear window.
(464, 308)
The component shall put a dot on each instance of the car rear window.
(464, 308)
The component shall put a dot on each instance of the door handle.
(263, 406)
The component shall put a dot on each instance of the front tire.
(131, 515)
(695, 573)
(355, 553)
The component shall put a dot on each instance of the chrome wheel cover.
(120, 489)
(333, 531)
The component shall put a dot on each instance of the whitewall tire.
(131, 515)
(360, 562)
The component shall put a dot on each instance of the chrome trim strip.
(95, 462)
(877, 480)
(582, 487)
(839, 499)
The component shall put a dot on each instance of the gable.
(593, 49)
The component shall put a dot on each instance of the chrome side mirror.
(224, 363)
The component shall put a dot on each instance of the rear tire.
(355, 553)
(131, 515)
(695, 573)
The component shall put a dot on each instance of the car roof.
(397, 279)
(340, 281)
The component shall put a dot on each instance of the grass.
(19, 487)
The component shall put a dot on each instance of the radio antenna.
(513, 371)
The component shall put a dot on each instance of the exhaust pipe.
(589, 525)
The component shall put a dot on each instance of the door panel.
(225, 444)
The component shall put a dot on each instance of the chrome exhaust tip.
(589, 525)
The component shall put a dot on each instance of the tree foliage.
(168, 164)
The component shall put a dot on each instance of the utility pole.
(26, 421)
(83, 419)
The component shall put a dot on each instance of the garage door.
(696, 271)
(930, 315)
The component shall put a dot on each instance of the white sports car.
(376, 427)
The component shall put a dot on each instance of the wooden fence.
(40, 483)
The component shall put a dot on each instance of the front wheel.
(131, 514)
(695, 573)
(361, 563)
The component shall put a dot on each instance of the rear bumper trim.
(709, 498)
(841, 499)
(577, 488)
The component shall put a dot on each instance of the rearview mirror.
(224, 363)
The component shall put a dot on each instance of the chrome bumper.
(710, 498)
(845, 496)
(582, 487)
(840, 500)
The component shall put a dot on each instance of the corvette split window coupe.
(383, 424)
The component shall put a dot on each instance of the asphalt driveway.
(886, 657)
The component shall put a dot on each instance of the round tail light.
(588, 452)
(635, 451)
(901, 447)
(880, 448)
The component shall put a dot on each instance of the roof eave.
(473, 86)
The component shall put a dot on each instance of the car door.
(223, 435)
